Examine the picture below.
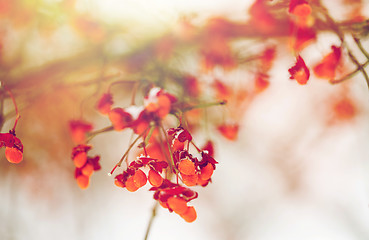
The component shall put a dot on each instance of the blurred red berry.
(104, 104)
(300, 71)
(78, 130)
(328, 66)
(229, 131)
(13, 147)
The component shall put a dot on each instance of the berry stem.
(148, 136)
(91, 135)
(1, 113)
(126, 153)
(172, 165)
(198, 149)
(15, 108)
(134, 92)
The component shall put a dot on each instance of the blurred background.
(297, 170)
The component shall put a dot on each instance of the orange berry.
(105, 103)
(328, 66)
(104, 109)
(130, 185)
(155, 179)
(118, 183)
(119, 118)
(222, 91)
(302, 10)
(164, 106)
(201, 182)
(88, 169)
(206, 172)
(261, 83)
(229, 131)
(79, 136)
(301, 77)
(190, 214)
(178, 205)
(300, 72)
(189, 180)
(13, 155)
(344, 109)
(83, 181)
(177, 145)
(78, 130)
(141, 127)
(80, 159)
(187, 167)
(139, 178)
(151, 107)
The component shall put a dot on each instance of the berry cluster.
(164, 158)
(193, 171)
(175, 198)
(133, 177)
(85, 165)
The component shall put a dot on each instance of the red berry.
(13, 155)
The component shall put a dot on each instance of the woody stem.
(360, 46)
(359, 66)
(120, 82)
(350, 75)
(204, 105)
(153, 214)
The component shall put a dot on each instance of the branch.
(153, 214)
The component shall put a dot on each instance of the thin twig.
(172, 165)
(350, 75)
(127, 151)
(359, 66)
(360, 46)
